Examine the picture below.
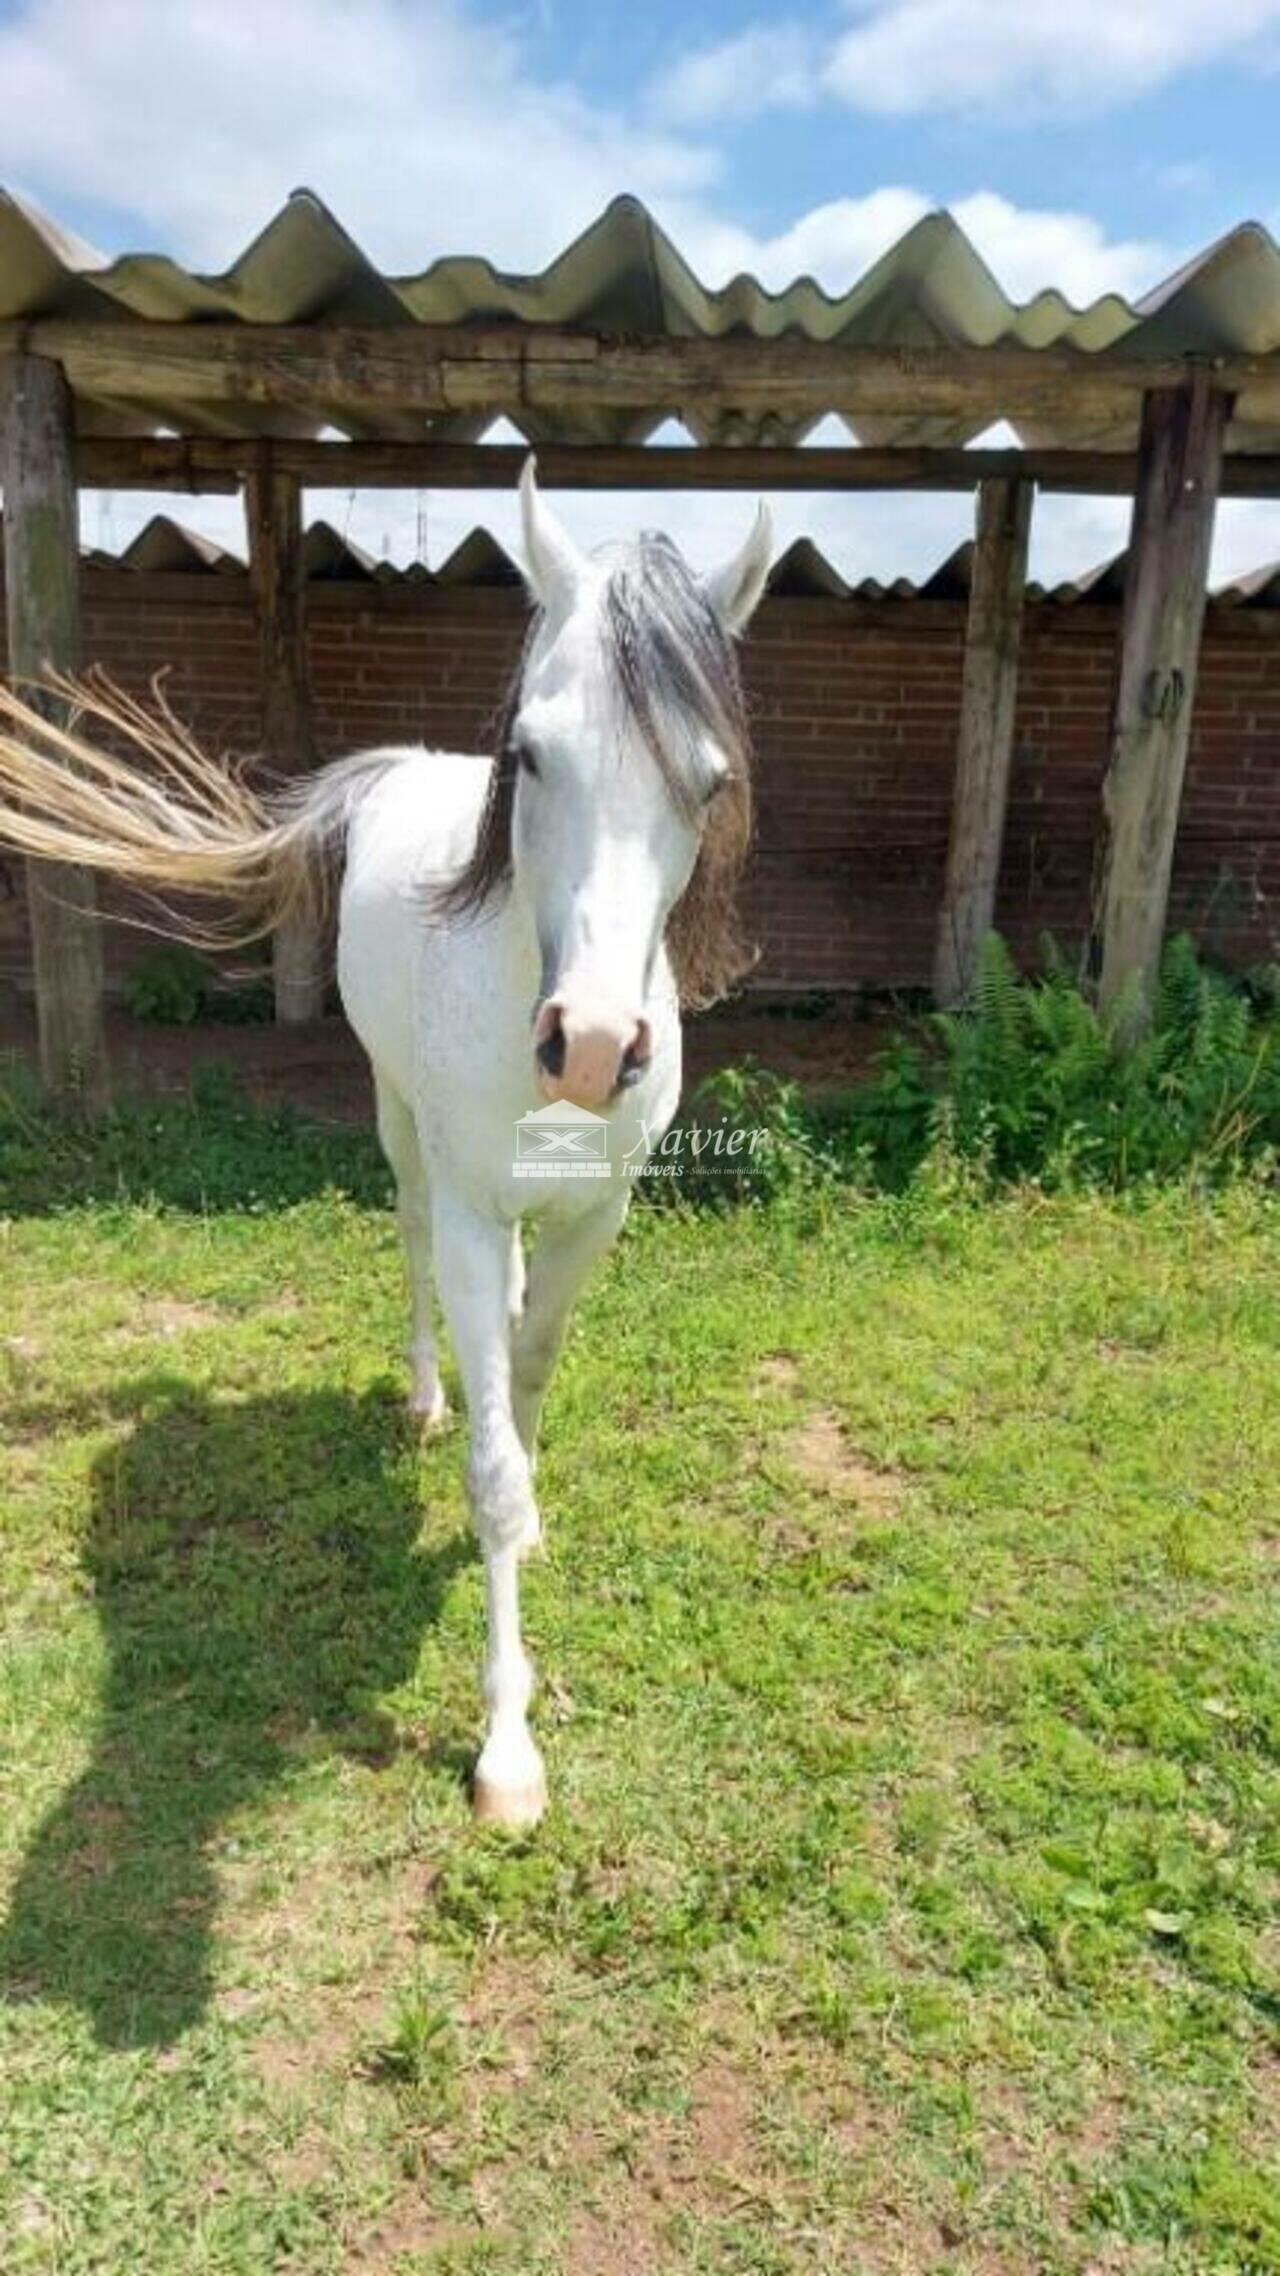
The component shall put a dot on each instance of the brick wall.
(855, 705)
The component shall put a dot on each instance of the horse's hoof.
(431, 1414)
(512, 1806)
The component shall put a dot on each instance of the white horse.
(512, 934)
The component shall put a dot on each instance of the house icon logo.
(562, 1141)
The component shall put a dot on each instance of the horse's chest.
(483, 1125)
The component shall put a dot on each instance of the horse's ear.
(552, 560)
(734, 589)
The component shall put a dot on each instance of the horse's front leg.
(562, 1258)
(398, 1133)
(473, 1260)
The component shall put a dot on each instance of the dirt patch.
(722, 2121)
(336, 2028)
(240, 2000)
(1116, 1353)
(778, 1371)
(509, 2001)
(280, 2061)
(704, 2164)
(624, 2241)
(820, 1449)
(1098, 2132)
(408, 2229)
(284, 2060)
(305, 2163)
(1264, 2089)
(320, 1957)
(1126, 2258)
(25, 1457)
(333, 2037)
(167, 1317)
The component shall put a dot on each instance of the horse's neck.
(519, 958)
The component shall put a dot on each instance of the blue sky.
(1178, 159)
(1093, 147)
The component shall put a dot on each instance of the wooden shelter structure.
(305, 366)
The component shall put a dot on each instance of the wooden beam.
(1179, 464)
(321, 371)
(984, 750)
(273, 515)
(218, 463)
(42, 598)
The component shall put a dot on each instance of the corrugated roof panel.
(327, 555)
(168, 546)
(1226, 300)
(952, 578)
(931, 291)
(803, 570)
(1105, 582)
(305, 269)
(623, 274)
(1257, 589)
(479, 560)
(898, 589)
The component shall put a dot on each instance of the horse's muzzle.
(586, 1052)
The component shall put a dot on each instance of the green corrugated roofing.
(801, 572)
(623, 275)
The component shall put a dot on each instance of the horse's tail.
(167, 818)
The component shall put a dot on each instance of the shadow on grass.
(258, 1573)
(211, 1152)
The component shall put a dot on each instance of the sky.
(1092, 147)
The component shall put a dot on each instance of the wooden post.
(1179, 465)
(42, 595)
(273, 509)
(985, 746)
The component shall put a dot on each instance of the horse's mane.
(675, 671)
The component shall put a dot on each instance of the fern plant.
(1031, 1079)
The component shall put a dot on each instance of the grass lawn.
(908, 1655)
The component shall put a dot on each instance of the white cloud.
(911, 58)
(1026, 248)
(833, 242)
(907, 57)
(427, 131)
(421, 128)
(766, 67)
(404, 120)
(1029, 249)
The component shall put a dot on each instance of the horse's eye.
(721, 782)
(525, 759)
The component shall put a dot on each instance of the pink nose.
(587, 1052)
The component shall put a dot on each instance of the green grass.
(908, 1656)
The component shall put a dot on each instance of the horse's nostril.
(550, 1052)
(634, 1061)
